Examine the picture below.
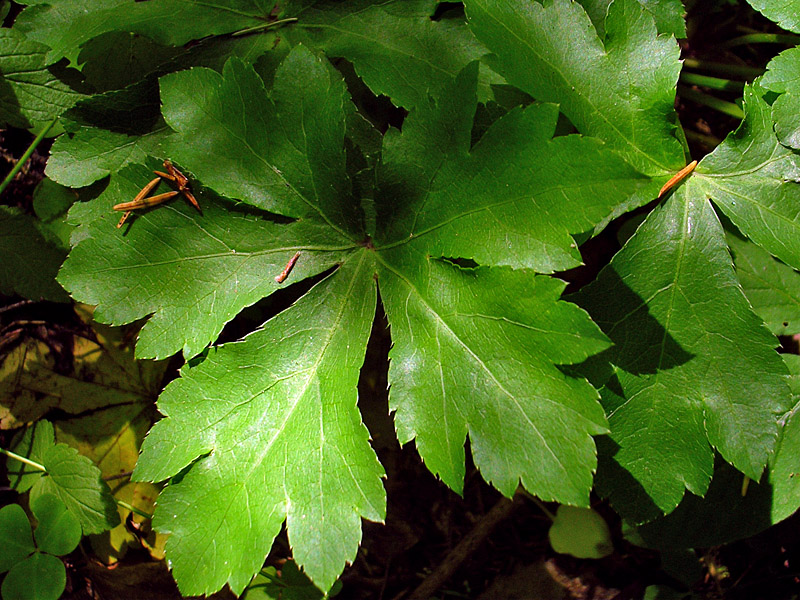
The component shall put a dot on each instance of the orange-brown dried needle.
(145, 202)
(180, 180)
(124, 218)
(142, 193)
(142, 203)
(675, 179)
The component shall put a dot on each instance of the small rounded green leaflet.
(33, 574)
(38, 577)
(580, 532)
(58, 531)
(15, 536)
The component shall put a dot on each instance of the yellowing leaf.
(580, 532)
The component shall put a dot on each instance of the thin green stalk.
(745, 29)
(727, 69)
(714, 83)
(133, 509)
(22, 459)
(263, 26)
(728, 108)
(24, 158)
(762, 38)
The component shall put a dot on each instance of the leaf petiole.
(762, 38)
(22, 459)
(263, 26)
(728, 108)
(24, 158)
(133, 509)
(722, 68)
(714, 83)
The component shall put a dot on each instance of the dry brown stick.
(118, 476)
(16, 305)
(499, 512)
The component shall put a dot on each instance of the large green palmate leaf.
(474, 352)
(31, 94)
(695, 369)
(64, 25)
(374, 36)
(713, 378)
(479, 334)
(784, 12)
(284, 440)
(619, 88)
(457, 228)
(753, 179)
(247, 429)
(783, 77)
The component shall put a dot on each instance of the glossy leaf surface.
(374, 37)
(783, 12)
(280, 443)
(753, 180)
(692, 367)
(619, 89)
(735, 507)
(31, 94)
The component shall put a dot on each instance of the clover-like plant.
(34, 570)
